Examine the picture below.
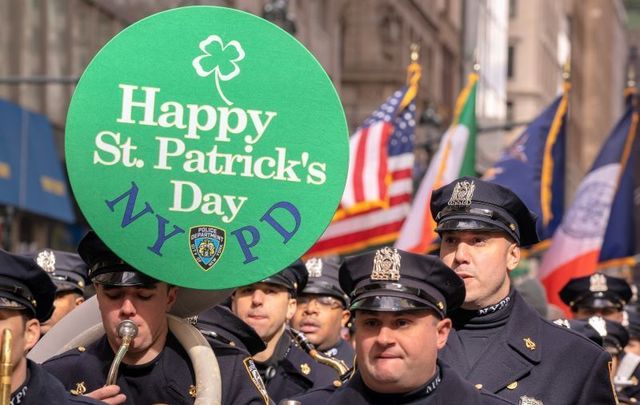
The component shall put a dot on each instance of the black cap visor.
(322, 288)
(469, 223)
(16, 295)
(280, 282)
(598, 303)
(124, 279)
(395, 297)
(391, 304)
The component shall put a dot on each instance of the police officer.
(628, 373)
(267, 306)
(69, 274)
(400, 301)
(156, 368)
(597, 295)
(220, 324)
(499, 342)
(321, 313)
(230, 336)
(26, 299)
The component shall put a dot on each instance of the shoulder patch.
(254, 375)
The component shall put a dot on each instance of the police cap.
(106, 268)
(634, 325)
(471, 204)
(293, 278)
(323, 279)
(67, 270)
(24, 285)
(596, 291)
(582, 327)
(394, 280)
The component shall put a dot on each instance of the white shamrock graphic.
(219, 58)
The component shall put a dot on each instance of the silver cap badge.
(47, 260)
(314, 266)
(386, 265)
(462, 193)
(598, 283)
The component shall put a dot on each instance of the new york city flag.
(577, 243)
(533, 166)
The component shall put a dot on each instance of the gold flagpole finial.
(415, 52)
(414, 72)
(631, 76)
(476, 64)
(566, 70)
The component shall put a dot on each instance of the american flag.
(379, 183)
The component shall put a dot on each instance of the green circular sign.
(207, 147)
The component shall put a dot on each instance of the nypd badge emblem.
(207, 244)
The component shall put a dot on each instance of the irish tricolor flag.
(455, 158)
(576, 244)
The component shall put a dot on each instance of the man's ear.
(443, 327)
(345, 317)
(79, 300)
(31, 333)
(292, 306)
(513, 256)
(172, 294)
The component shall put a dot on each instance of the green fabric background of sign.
(275, 74)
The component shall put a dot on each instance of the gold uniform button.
(512, 386)
(81, 349)
(478, 386)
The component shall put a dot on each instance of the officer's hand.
(109, 394)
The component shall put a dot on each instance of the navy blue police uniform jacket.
(291, 371)
(632, 393)
(343, 351)
(450, 390)
(169, 378)
(40, 387)
(535, 360)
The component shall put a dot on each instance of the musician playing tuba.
(26, 299)
(155, 368)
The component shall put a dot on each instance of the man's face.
(320, 317)
(264, 307)
(610, 313)
(397, 351)
(483, 260)
(633, 346)
(24, 333)
(146, 306)
(64, 303)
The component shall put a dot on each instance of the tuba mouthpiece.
(127, 328)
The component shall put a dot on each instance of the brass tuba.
(5, 368)
(338, 365)
(127, 330)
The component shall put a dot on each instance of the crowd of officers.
(383, 327)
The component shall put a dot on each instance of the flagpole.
(547, 161)
(414, 73)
